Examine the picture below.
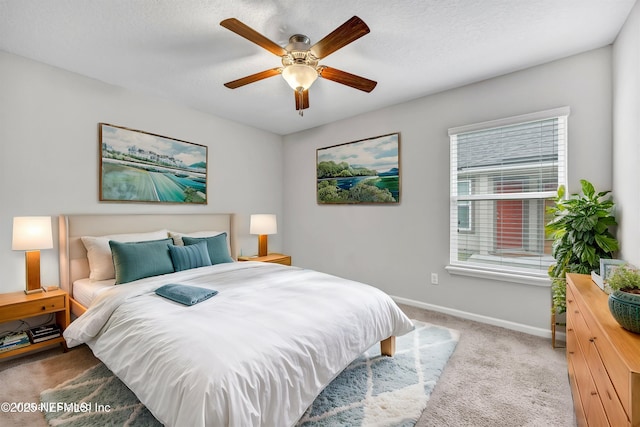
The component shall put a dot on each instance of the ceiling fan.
(299, 59)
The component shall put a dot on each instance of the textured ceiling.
(177, 50)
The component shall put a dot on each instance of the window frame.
(501, 272)
(469, 207)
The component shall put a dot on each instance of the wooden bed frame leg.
(388, 346)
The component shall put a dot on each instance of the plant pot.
(625, 308)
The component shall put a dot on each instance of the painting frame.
(143, 167)
(608, 266)
(366, 171)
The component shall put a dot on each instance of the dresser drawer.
(596, 415)
(573, 358)
(32, 308)
(579, 325)
(584, 382)
(572, 341)
(591, 404)
(581, 418)
(610, 361)
(608, 394)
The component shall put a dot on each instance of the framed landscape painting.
(365, 171)
(137, 166)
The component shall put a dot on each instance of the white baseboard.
(540, 332)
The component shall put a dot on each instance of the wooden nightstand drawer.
(32, 308)
(272, 258)
(285, 260)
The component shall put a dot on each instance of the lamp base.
(262, 245)
(32, 263)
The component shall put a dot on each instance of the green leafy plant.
(625, 278)
(581, 234)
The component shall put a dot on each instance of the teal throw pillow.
(187, 257)
(216, 245)
(137, 260)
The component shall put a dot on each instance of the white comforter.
(258, 353)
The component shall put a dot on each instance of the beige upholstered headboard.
(73, 255)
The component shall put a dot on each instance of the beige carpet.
(496, 377)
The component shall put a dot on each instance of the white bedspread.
(258, 353)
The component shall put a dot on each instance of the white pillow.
(177, 237)
(99, 252)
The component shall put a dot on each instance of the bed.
(256, 353)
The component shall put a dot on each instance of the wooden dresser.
(603, 359)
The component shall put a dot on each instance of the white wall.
(397, 247)
(626, 132)
(49, 156)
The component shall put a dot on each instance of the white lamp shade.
(299, 76)
(263, 224)
(31, 233)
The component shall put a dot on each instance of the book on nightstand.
(44, 333)
(13, 341)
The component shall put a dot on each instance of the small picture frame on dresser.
(608, 266)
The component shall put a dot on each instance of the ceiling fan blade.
(252, 35)
(305, 100)
(346, 33)
(253, 78)
(348, 79)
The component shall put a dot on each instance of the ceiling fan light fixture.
(299, 76)
(299, 59)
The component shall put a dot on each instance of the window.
(503, 174)
(464, 206)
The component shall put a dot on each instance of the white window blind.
(503, 174)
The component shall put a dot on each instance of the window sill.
(514, 277)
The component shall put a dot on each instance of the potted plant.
(624, 298)
(581, 236)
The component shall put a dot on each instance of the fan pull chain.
(300, 101)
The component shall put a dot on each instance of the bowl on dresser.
(625, 308)
(624, 298)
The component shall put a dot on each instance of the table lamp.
(30, 234)
(262, 225)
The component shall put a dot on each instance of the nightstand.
(18, 305)
(274, 258)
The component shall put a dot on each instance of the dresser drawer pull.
(593, 393)
(592, 339)
(44, 307)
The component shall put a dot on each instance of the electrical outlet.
(434, 278)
